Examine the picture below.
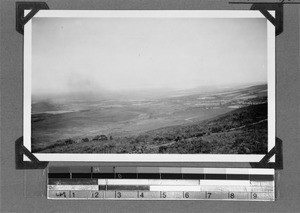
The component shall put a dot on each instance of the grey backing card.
(25, 190)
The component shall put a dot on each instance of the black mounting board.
(21, 20)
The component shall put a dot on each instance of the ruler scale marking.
(161, 183)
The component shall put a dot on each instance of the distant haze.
(71, 55)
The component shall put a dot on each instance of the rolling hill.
(240, 131)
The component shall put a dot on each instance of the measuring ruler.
(160, 183)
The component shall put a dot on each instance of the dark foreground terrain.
(233, 122)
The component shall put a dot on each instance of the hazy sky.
(116, 54)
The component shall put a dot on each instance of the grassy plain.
(230, 121)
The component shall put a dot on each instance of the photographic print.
(149, 85)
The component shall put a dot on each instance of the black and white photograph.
(150, 85)
(149, 106)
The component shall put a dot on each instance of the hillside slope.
(241, 131)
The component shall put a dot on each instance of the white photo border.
(139, 158)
